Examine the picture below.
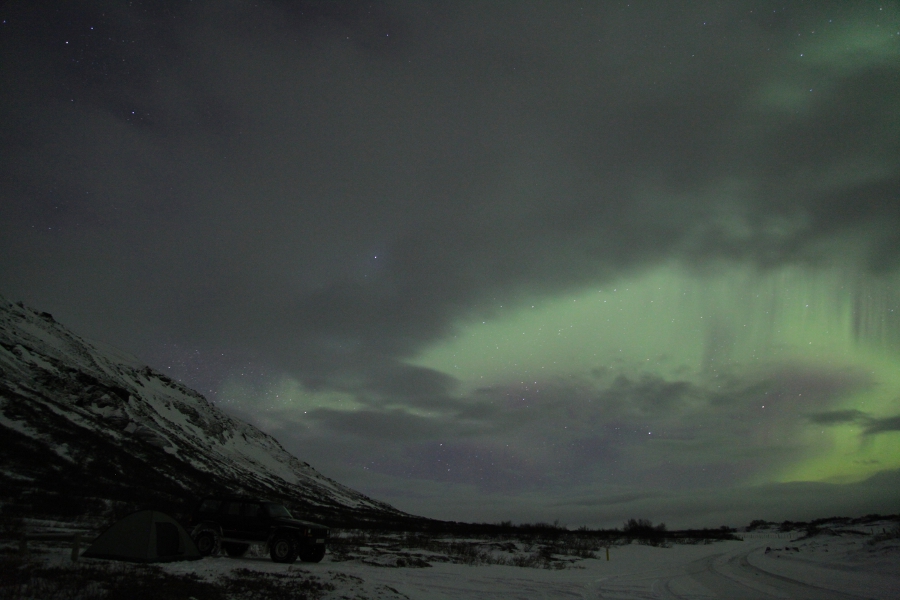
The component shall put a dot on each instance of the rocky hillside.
(85, 429)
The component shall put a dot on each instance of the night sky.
(581, 261)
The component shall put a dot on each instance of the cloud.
(394, 425)
(643, 433)
(884, 425)
(837, 417)
(308, 145)
(872, 425)
(616, 499)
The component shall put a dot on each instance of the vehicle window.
(233, 508)
(250, 509)
(210, 506)
(276, 510)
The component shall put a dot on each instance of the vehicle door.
(230, 519)
(253, 522)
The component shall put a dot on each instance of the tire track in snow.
(732, 577)
(796, 589)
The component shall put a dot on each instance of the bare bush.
(24, 579)
(887, 534)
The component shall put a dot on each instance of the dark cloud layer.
(319, 190)
(836, 417)
(665, 437)
(883, 425)
(234, 156)
(871, 424)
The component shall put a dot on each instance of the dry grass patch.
(32, 579)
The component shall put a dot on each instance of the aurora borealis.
(762, 340)
(487, 261)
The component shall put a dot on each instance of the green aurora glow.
(685, 327)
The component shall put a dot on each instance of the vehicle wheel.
(283, 549)
(235, 550)
(312, 553)
(206, 542)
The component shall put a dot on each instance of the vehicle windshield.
(277, 510)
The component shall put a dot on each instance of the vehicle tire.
(206, 542)
(283, 548)
(312, 553)
(234, 549)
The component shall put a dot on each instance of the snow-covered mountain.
(84, 426)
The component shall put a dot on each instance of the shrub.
(22, 579)
(253, 585)
(756, 524)
(643, 527)
(638, 526)
(887, 534)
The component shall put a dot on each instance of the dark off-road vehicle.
(232, 524)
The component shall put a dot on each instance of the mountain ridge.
(91, 423)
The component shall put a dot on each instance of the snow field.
(729, 570)
(825, 566)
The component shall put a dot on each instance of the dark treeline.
(644, 529)
(639, 529)
(817, 524)
(631, 529)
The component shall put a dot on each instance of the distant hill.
(85, 429)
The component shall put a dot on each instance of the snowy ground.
(833, 564)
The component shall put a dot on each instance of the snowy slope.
(88, 421)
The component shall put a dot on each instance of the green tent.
(144, 536)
